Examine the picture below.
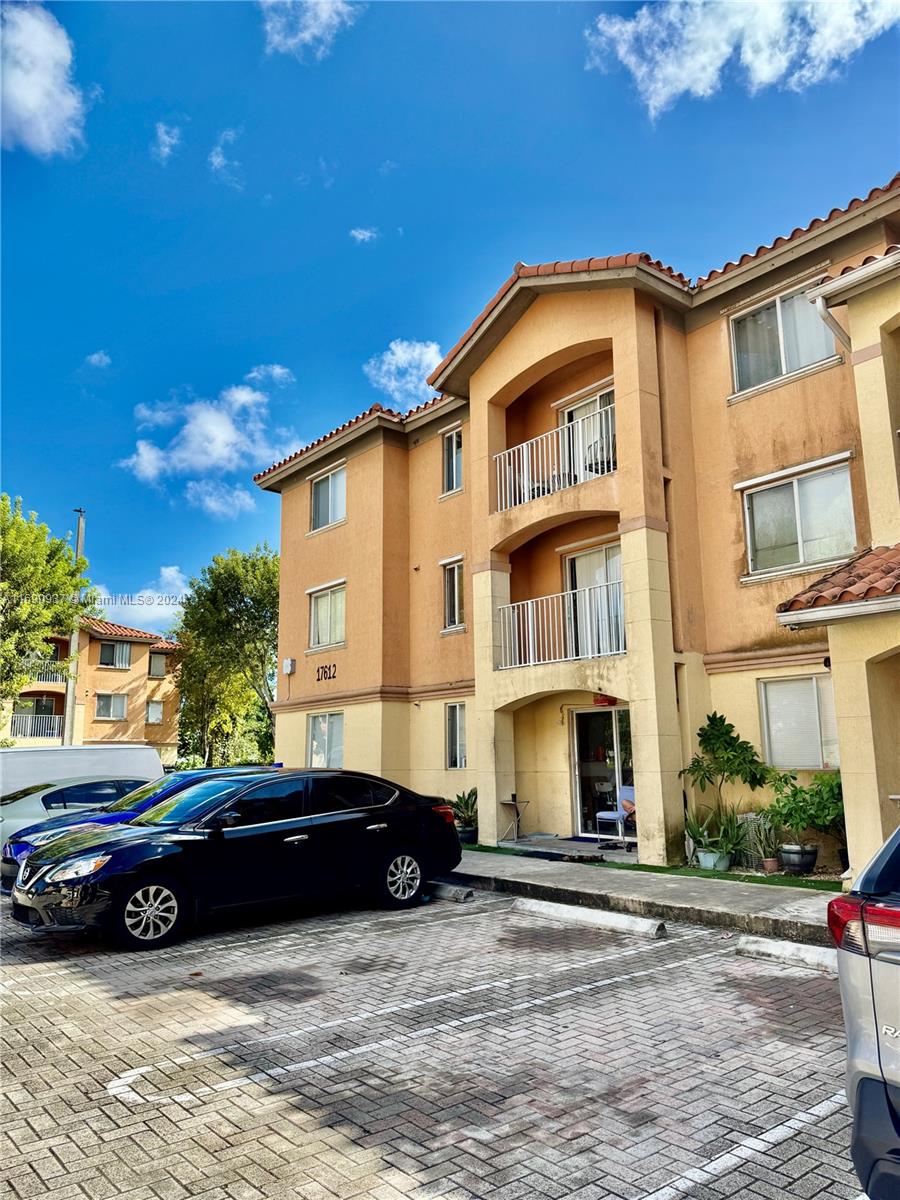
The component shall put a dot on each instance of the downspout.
(833, 324)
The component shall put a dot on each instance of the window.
(329, 499)
(115, 654)
(326, 617)
(111, 706)
(781, 336)
(282, 801)
(340, 794)
(452, 461)
(454, 613)
(157, 666)
(325, 740)
(803, 520)
(94, 794)
(799, 726)
(154, 712)
(456, 737)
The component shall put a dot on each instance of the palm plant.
(465, 809)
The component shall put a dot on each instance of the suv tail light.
(445, 812)
(864, 926)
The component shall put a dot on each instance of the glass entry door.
(602, 768)
(589, 437)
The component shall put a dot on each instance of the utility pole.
(69, 717)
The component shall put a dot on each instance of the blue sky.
(152, 265)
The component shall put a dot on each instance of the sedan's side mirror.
(225, 820)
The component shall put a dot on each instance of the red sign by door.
(603, 701)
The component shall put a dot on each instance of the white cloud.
(361, 235)
(387, 166)
(297, 26)
(225, 168)
(270, 372)
(229, 433)
(168, 139)
(401, 371)
(682, 47)
(99, 359)
(42, 109)
(154, 606)
(219, 500)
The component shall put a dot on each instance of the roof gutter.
(827, 614)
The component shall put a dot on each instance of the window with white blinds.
(799, 725)
(115, 654)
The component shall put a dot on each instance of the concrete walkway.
(767, 910)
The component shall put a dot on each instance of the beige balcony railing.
(587, 623)
(35, 725)
(575, 453)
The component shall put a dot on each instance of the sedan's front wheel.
(148, 914)
(401, 879)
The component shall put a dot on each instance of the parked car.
(224, 842)
(865, 925)
(21, 766)
(123, 808)
(43, 799)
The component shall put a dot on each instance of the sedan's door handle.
(300, 837)
(376, 827)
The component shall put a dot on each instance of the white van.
(23, 766)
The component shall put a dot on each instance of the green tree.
(43, 591)
(724, 758)
(229, 634)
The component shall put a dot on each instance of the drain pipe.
(831, 321)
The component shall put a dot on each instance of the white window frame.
(460, 748)
(449, 486)
(326, 478)
(121, 650)
(329, 716)
(813, 681)
(156, 674)
(328, 589)
(162, 712)
(456, 565)
(794, 478)
(785, 373)
(111, 696)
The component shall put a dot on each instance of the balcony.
(587, 623)
(42, 670)
(35, 725)
(571, 454)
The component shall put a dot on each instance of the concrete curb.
(758, 924)
(599, 918)
(818, 958)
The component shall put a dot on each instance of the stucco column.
(865, 669)
(495, 759)
(655, 733)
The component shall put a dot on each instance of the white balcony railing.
(35, 725)
(574, 453)
(40, 670)
(587, 623)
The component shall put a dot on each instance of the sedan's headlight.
(77, 868)
(7, 850)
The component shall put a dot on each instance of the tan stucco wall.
(137, 685)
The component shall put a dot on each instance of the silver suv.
(865, 924)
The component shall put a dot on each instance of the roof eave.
(844, 287)
(272, 480)
(454, 376)
(827, 614)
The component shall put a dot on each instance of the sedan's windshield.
(138, 798)
(190, 803)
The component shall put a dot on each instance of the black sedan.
(224, 843)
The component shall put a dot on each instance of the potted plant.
(732, 836)
(765, 838)
(465, 813)
(699, 831)
(717, 837)
(817, 808)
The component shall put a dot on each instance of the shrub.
(818, 807)
(465, 809)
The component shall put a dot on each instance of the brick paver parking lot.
(448, 1052)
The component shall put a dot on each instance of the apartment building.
(637, 499)
(126, 690)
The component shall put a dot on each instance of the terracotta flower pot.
(770, 866)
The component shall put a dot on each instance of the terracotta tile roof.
(109, 629)
(376, 410)
(165, 646)
(871, 575)
(816, 223)
(870, 258)
(521, 271)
